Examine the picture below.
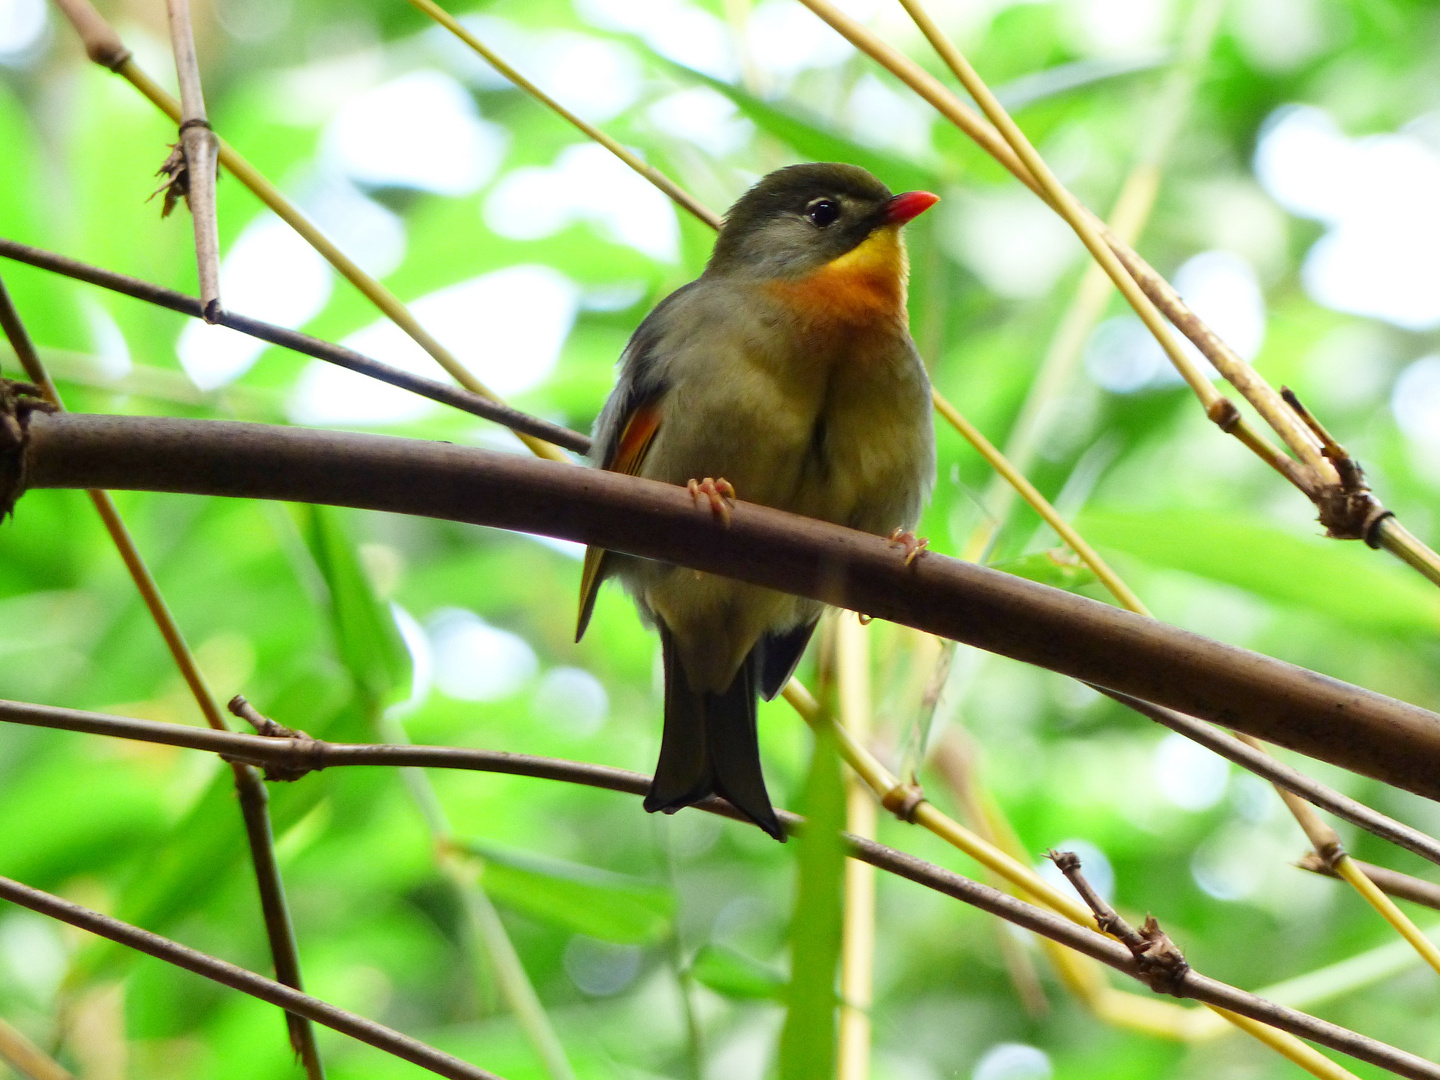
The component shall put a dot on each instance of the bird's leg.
(913, 545)
(720, 492)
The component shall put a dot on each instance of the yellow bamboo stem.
(1246, 379)
(649, 172)
(376, 293)
(1064, 204)
(884, 783)
(857, 958)
(1346, 868)
(1127, 219)
(1031, 495)
(1301, 1053)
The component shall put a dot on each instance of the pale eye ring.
(823, 212)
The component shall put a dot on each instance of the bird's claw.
(914, 545)
(720, 492)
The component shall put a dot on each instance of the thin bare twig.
(1282, 775)
(237, 978)
(1401, 886)
(445, 393)
(252, 797)
(194, 177)
(1157, 956)
(311, 753)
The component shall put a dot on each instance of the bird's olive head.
(801, 217)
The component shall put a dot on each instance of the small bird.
(786, 373)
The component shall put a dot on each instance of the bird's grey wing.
(625, 430)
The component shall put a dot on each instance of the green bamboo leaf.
(365, 634)
(736, 975)
(1058, 568)
(1343, 580)
(201, 852)
(807, 1042)
(582, 899)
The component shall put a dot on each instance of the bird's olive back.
(797, 219)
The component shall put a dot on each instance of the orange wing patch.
(635, 440)
(629, 455)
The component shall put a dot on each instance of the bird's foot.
(914, 545)
(720, 492)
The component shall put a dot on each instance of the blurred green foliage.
(330, 621)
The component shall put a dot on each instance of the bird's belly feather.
(842, 434)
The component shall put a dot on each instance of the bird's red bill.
(908, 206)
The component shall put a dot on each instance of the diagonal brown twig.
(1401, 886)
(485, 925)
(1283, 776)
(445, 393)
(227, 974)
(251, 791)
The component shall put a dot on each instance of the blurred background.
(1297, 211)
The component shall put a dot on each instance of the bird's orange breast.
(863, 286)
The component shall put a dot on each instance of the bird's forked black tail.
(709, 745)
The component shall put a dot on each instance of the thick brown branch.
(1281, 703)
(1292, 780)
(295, 755)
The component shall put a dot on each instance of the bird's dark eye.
(823, 212)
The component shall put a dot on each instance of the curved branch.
(1272, 700)
(292, 756)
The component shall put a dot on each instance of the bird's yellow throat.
(865, 284)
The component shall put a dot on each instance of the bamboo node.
(1224, 414)
(309, 751)
(1162, 964)
(108, 55)
(903, 800)
(1348, 510)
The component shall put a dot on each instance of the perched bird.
(786, 373)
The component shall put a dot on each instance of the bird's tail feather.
(710, 746)
(682, 775)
